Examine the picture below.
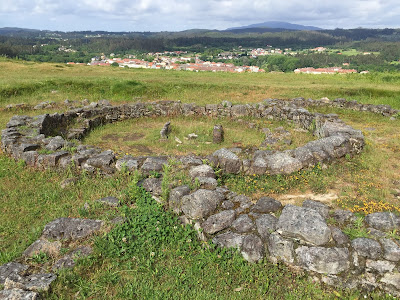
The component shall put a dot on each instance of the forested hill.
(15, 41)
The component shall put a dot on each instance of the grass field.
(29, 198)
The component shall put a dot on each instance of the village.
(184, 61)
(168, 62)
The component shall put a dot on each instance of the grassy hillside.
(29, 198)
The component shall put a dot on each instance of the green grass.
(35, 82)
(142, 136)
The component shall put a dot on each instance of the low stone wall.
(37, 140)
(384, 110)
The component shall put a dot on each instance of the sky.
(178, 15)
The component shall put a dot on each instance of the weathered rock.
(228, 204)
(258, 166)
(43, 245)
(252, 248)
(376, 233)
(219, 221)
(323, 260)
(190, 161)
(11, 268)
(339, 237)
(239, 110)
(70, 228)
(50, 160)
(343, 216)
(201, 203)
(192, 136)
(266, 224)
(128, 162)
(380, 266)
(391, 250)
(202, 171)
(175, 197)
(152, 185)
(266, 205)
(153, 164)
(102, 160)
(228, 161)
(303, 223)
(55, 143)
(226, 104)
(207, 183)
(282, 163)
(229, 239)
(243, 224)
(280, 248)
(35, 282)
(69, 260)
(218, 134)
(367, 247)
(18, 294)
(165, 131)
(383, 221)
(240, 199)
(393, 280)
(317, 206)
(111, 201)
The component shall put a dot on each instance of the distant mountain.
(275, 24)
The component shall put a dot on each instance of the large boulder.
(229, 239)
(367, 247)
(175, 198)
(202, 171)
(228, 161)
(323, 260)
(219, 221)
(35, 282)
(282, 163)
(43, 245)
(266, 224)
(102, 160)
(243, 224)
(391, 250)
(71, 228)
(383, 221)
(18, 294)
(11, 268)
(252, 248)
(280, 248)
(266, 205)
(305, 224)
(152, 185)
(201, 203)
(153, 165)
(322, 208)
(127, 162)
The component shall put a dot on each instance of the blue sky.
(177, 15)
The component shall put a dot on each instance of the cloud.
(156, 15)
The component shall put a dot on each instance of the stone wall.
(37, 140)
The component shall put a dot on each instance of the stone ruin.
(299, 236)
